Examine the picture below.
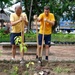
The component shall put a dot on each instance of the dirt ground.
(65, 54)
(47, 68)
(56, 53)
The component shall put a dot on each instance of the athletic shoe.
(22, 61)
(13, 59)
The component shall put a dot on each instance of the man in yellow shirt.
(18, 20)
(46, 18)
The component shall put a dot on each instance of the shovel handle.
(42, 40)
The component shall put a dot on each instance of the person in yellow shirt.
(18, 20)
(46, 18)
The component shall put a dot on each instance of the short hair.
(18, 6)
(47, 7)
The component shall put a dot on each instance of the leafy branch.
(18, 41)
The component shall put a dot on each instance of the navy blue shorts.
(12, 36)
(47, 39)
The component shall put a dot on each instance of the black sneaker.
(46, 58)
(36, 56)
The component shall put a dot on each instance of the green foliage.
(5, 70)
(5, 3)
(58, 7)
(23, 47)
(59, 69)
(2, 30)
(62, 37)
(4, 37)
(14, 70)
(18, 41)
(30, 67)
(30, 37)
(29, 64)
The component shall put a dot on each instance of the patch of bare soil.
(35, 68)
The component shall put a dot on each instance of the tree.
(5, 3)
(58, 7)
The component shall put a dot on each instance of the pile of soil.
(35, 68)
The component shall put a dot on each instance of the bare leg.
(22, 61)
(13, 50)
(47, 51)
(38, 50)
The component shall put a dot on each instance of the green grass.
(60, 69)
(5, 38)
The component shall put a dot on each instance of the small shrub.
(59, 69)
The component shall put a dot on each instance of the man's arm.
(13, 23)
(25, 20)
(36, 18)
(51, 22)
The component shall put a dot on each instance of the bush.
(31, 37)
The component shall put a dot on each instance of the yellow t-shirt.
(48, 26)
(17, 28)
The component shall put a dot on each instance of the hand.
(35, 17)
(45, 20)
(24, 18)
(21, 18)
